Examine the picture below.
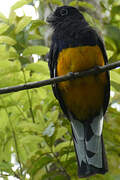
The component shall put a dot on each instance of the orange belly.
(84, 96)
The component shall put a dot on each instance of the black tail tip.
(85, 171)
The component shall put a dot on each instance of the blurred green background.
(35, 137)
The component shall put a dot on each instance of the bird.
(75, 47)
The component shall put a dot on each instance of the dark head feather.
(65, 16)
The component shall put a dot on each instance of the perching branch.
(69, 76)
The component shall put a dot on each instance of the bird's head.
(63, 15)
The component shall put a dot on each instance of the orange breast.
(84, 96)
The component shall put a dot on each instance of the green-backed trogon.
(76, 47)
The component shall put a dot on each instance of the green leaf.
(89, 19)
(59, 177)
(113, 32)
(29, 127)
(73, 3)
(110, 44)
(115, 10)
(60, 132)
(12, 17)
(3, 18)
(6, 53)
(22, 24)
(6, 167)
(54, 115)
(61, 145)
(7, 67)
(13, 53)
(115, 77)
(36, 23)
(41, 67)
(40, 163)
(31, 138)
(3, 52)
(34, 37)
(57, 2)
(11, 79)
(82, 4)
(40, 50)
(20, 3)
(3, 28)
(22, 39)
(10, 30)
(110, 53)
(3, 119)
(7, 40)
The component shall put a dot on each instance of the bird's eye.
(64, 12)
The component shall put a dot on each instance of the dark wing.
(52, 63)
(107, 88)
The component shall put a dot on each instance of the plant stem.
(14, 137)
(60, 164)
(18, 108)
(68, 150)
(47, 171)
(29, 98)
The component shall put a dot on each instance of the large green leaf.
(6, 54)
(61, 145)
(113, 32)
(3, 119)
(9, 67)
(110, 44)
(34, 37)
(115, 86)
(31, 138)
(60, 132)
(54, 176)
(3, 52)
(22, 24)
(36, 23)
(30, 128)
(12, 17)
(20, 3)
(13, 53)
(41, 67)
(59, 177)
(82, 4)
(3, 18)
(115, 10)
(3, 28)
(57, 2)
(115, 77)
(7, 167)
(7, 40)
(40, 163)
(11, 79)
(39, 50)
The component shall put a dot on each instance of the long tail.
(89, 147)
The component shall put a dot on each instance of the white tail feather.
(93, 145)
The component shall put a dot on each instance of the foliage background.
(33, 130)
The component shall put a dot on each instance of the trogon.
(77, 47)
